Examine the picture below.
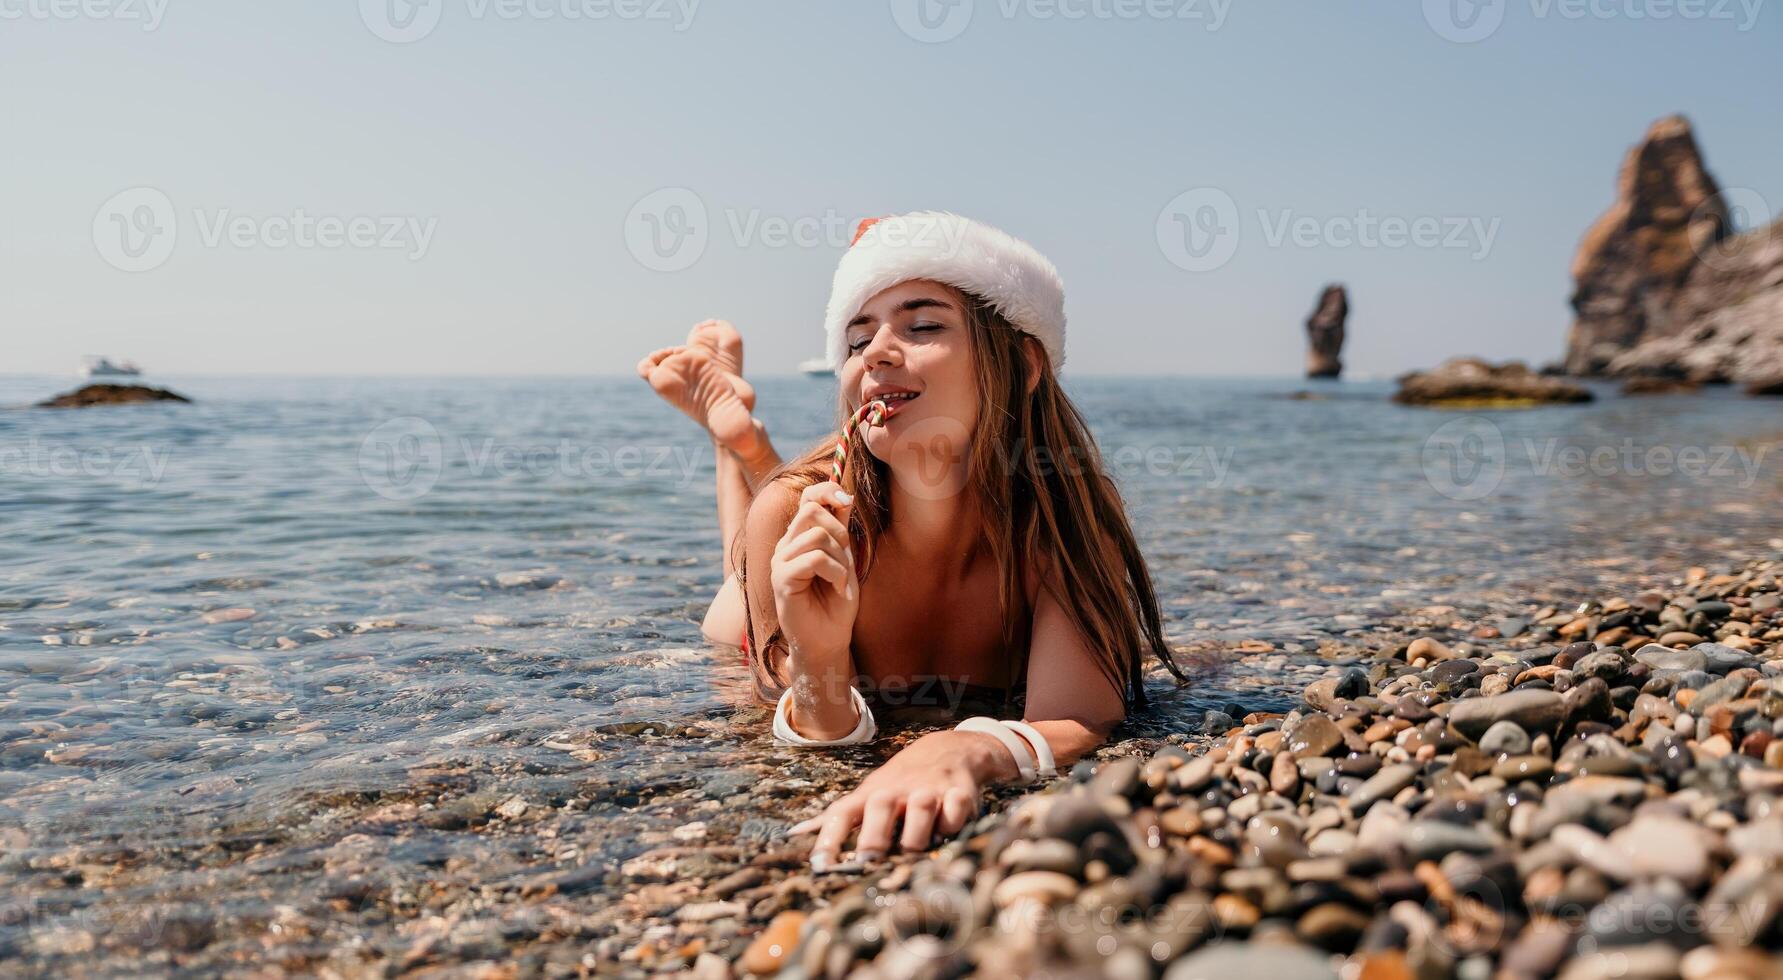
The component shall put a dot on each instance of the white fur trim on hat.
(965, 254)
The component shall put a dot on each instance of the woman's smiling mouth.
(894, 400)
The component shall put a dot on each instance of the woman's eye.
(855, 347)
(923, 327)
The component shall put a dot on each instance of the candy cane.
(872, 413)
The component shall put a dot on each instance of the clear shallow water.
(223, 625)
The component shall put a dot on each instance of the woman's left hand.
(929, 787)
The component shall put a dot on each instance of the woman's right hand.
(816, 593)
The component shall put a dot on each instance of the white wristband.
(1024, 759)
(864, 730)
(1044, 767)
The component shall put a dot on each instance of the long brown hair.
(1041, 494)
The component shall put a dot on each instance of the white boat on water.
(104, 367)
(816, 367)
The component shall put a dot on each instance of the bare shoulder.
(771, 511)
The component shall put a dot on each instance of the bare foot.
(723, 340)
(692, 379)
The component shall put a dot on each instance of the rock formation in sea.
(1666, 283)
(105, 394)
(1324, 333)
(1468, 382)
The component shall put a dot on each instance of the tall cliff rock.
(1664, 285)
(1324, 334)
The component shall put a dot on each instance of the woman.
(975, 537)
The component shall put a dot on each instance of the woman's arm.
(810, 592)
(935, 783)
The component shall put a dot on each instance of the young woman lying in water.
(975, 537)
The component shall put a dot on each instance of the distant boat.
(816, 367)
(104, 367)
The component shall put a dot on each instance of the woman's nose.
(883, 350)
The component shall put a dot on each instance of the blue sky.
(480, 193)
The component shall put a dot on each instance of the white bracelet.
(1024, 758)
(1044, 767)
(864, 730)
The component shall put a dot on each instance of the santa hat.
(970, 256)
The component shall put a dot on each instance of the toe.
(654, 358)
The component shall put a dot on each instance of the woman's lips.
(894, 402)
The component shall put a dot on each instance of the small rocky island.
(1470, 383)
(1324, 333)
(110, 394)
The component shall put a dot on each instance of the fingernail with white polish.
(820, 863)
(844, 498)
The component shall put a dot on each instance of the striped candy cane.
(872, 413)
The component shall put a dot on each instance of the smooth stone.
(1713, 963)
(1045, 854)
(1429, 840)
(1600, 790)
(1451, 671)
(1382, 831)
(1183, 821)
(1226, 960)
(1118, 778)
(1650, 962)
(1383, 785)
(1590, 850)
(1045, 887)
(1314, 736)
(1332, 843)
(1645, 914)
(1284, 774)
(1725, 689)
(1074, 818)
(1665, 658)
(1364, 765)
(770, 949)
(1516, 768)
(1606, 664)
(1537, 952)
(1332, 926)
(1532, 710)
(1663, 847)
(1194, 775)
(1723, 659)
(1428, 649)
(1326, 693)
(1505, 738)
(1758, 839)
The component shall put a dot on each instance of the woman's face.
(912, 340)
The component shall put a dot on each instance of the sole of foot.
(691, 379)
(744, 389)
(723, 340)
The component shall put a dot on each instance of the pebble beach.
(1599, 795)
(472, 732)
